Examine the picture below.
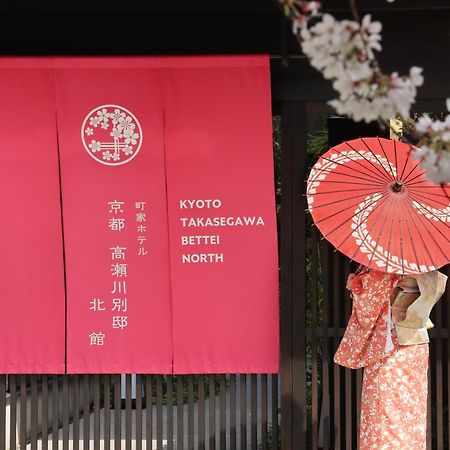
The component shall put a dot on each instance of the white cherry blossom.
(94, 121)
(131, 138)
(95, 146)
(434, 146)
(300, 11)
(107, 155)
(116, 133)
(437, 164)
(125, 124)
(116, 116)
(424, 124)
(128, 150)
(103, 115)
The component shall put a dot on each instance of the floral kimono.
(394, 397)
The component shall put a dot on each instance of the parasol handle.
(397, 186)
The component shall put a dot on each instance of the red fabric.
(31, 262)
(144, 345)
(394, 400)
(199, 127)
(364, 341)
(373, 202)
(219, 146)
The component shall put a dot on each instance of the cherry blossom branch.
(354, 10)
(344, 52)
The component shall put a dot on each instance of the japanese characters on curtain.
(110, 130)
(168, 216)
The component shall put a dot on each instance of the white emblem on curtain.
(111, 135)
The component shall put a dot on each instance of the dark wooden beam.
(383, 5)
(87, 7)
(416, 32)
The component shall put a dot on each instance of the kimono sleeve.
(369, 297)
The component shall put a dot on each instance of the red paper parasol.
(371, 200)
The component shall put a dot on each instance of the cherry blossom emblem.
(111, 135)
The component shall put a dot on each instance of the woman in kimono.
(387, 335)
